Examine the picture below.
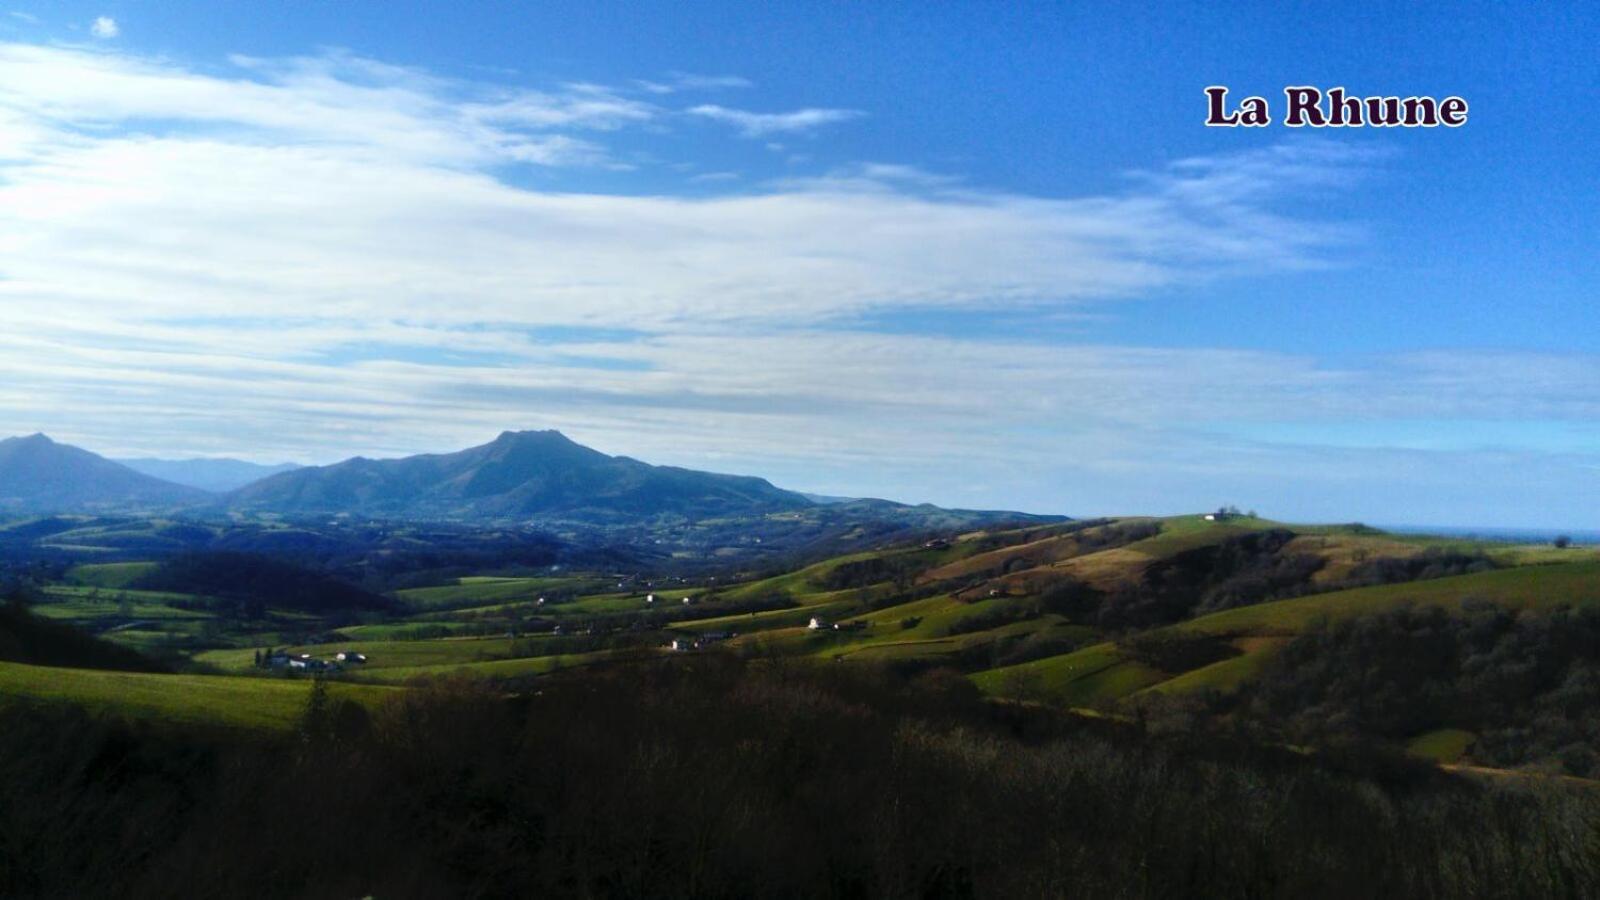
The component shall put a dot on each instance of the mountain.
(37, 473)
(827, 499)
(529, 474)
(216, 475)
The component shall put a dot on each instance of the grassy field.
(1180, 533)
(1087, 677)
(1226, 674)
(489, 592)
(1045, 550)
(110, 597)
(257, 703)
(392, 631)
(800, 585)
(764, 620)
(502, 668)
(1527, 587)
(110, 575)
(1444, 745)
(83, 610)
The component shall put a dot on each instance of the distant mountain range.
(38, 474)
(527, 476)
(518, 475)
(218, 476)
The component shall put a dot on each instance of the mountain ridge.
(37, 473)
(520, 474)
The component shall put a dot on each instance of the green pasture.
(254, 703)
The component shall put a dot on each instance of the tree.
(316, 720)
(1562, 542)
(258, 659)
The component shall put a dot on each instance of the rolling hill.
(36, 473)
(518, 475)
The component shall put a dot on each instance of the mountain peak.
(521, 437)
(38, 438)
(519, 474)
(38, 473)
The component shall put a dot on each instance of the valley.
(1104, 616)
(848, 658)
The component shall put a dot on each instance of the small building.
(817, 625)
(350, 656)
(680, 645)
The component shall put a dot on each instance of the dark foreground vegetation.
(716, 777)
(1528, 685)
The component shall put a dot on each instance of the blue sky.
(982, 255)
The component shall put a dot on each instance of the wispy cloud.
(755, 125)
(104, 28)
(688, 81)
(340, 104)
(320, 256)
(28, 17)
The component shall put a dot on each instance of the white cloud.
(105, 28)
(337, 186)
(19, 15)
(755, 125)
(317, 257)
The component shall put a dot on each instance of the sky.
(974, 254)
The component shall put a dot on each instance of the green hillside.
(1257, 631)
(255, 703)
